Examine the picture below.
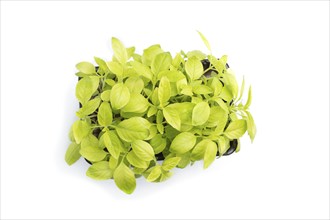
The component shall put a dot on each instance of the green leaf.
(200, 114)
(248, 102)
(80, 130)
(154, 97)
(102, 64)
(184, 111)
(241, 90)
(130, 52)
(158, 143)
(119, 96)
(150, 53)
(72, 153)
(112, 143)
(206, 42)
(119, 50)
(210, 154)
(176, 62)
(143, 150)
(152, 111)
(99, 171)
(172, 117)
(222, 144)
(185, 160)
(86, 67)
(133, 129)
(134, 84)
(116, 68)
(199, 150)
(251, 127)
(105, 95)
(125, 179)
(173, 75)
(216, 86)
(230, 80)
(155, 173)
(89, 107)
(218, 117)
(161, 62)
(196, 53)
(110, 82)
(194, 68)
(226, 94)
(170, 163)
(89, 141)
(159, 117)
(221, 124)
(85, 88)
(236, 129)
(136, 161)
(222, 104)
(93, 154)
(202, 90)
(113, 162)
(142, 70)
(104, 115)
(164, 91)
(183, 143)
(137, 104)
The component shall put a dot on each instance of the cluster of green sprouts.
(136, 109)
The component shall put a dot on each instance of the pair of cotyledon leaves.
(154, 103)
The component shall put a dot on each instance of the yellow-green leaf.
(93, 154)
(124, 178)
(201, 113)
(194, 68)
(72, 153)
(143, 150)
(89, 107)
(206, 42)
(99, 171)
(112, 143)
(251, 127)
(248, 102)
(210, 154)
(102, 64)
(199, 150)
(80, 130)
(134, 84)
(119, 96)
(116, 68)
(85, 88)
(222, 145)
(86, 67)
(161, 62)
(158, 143)
(104, 115)
(119, 50)
(164, 90)
(156, 171)
(170, 163)
(150, 53)
(236, 129)
(172, 117)
(142, 69)
(134, 160)
(137, 104)
(183, 143)
(133, 129)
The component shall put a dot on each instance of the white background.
(282, 49)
